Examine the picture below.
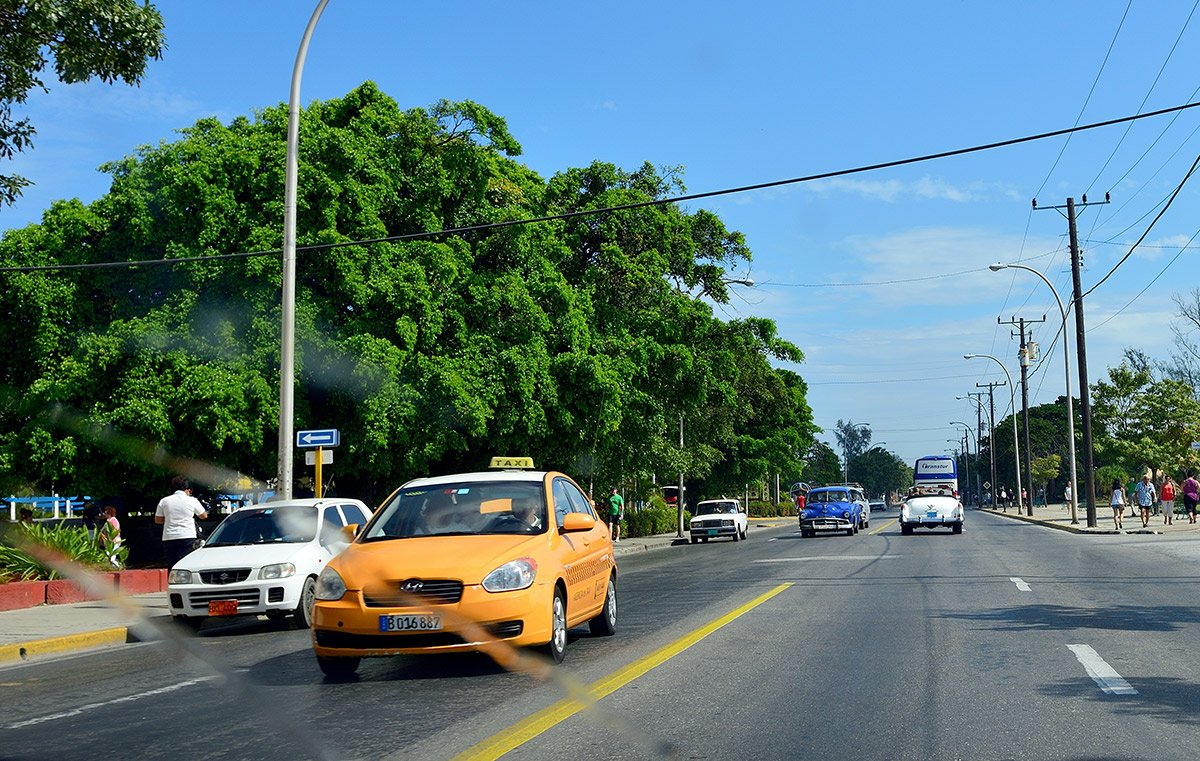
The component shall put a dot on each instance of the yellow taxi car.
(518, 554)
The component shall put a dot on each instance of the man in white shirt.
(177, 513)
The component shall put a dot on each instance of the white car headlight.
(179, 576)
(330, 585)
(514, 575)
(277, 571)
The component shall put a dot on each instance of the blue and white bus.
(936, 470)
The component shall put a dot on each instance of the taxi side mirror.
(350, 531)
(578, 522)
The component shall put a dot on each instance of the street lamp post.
(1067, 367)
(1013, 399)
(979, 450)
(968, 460)
(287, 330)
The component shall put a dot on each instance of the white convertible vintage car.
(931, 507)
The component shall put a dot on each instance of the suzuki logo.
(412, 586)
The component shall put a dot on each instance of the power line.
(1129, 253)
(628, 206)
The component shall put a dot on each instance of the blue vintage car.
(834, 508)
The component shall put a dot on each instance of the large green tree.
(105, 39)
(580, 342)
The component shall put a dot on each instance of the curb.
(24, 651)
(1072, 529)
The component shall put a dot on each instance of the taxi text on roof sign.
(512, 462)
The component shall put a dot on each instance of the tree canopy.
(105, 39)
(579, 341)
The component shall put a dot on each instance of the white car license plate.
(713, 532)
(931, 514)
(426, 622)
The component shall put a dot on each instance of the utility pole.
(1085, 406)
(1027, 348)
(978, 442)
(992, 433)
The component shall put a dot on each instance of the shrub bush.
(72, 542)
(656, 517)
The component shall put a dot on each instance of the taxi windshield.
(828, 496)
(266, 525)
(460, 509)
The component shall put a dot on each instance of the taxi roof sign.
(513, 463)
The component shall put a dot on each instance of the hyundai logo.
(412, 586)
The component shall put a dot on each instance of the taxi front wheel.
(556, 648)
(338, 668)
(605, 623)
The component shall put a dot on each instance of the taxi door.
(586, 555)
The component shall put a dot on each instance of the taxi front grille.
(349, 641)
(225, 576)
(410, 592)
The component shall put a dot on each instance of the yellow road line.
(884, 527)
(34, 648)
(523, 731)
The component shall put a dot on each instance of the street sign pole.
(317, 486)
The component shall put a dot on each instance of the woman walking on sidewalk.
(1168, 501)
(1191, 493)
(1117, 503)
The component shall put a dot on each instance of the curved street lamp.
(1012, 394)
(1066, 366)
(991, 449)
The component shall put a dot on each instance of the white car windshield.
(716, 508)
(266, 525)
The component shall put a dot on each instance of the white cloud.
(933, 188)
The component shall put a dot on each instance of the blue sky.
(763, 92)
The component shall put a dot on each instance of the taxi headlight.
(514, 575)
(330, 585)
(277, 571)
(179, 576)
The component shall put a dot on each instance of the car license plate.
(222, 607)
(931, 514)
(427, 622)
(713, 532)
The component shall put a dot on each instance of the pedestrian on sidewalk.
(1130, 488)
(1067, 497)
(1191, 493)
(616, 506)
(110, 535)
(1004, 498)
(1024, 497)
(177, 514)
(1118, 503)
(1145, 498)
(1168, 501)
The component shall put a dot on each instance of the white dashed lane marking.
(1021, 584)
(1104, 675)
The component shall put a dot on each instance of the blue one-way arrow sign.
(324, 437)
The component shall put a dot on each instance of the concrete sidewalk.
(47, 630)
(1059, 517)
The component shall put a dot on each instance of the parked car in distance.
(878, 504)
(718, 517)
(263, 560)
(834, 509)
(931, 507)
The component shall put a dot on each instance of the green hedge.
(656, 517)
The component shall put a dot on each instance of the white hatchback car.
(263, 560)
(718, 517)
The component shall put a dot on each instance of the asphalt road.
(934, 646)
